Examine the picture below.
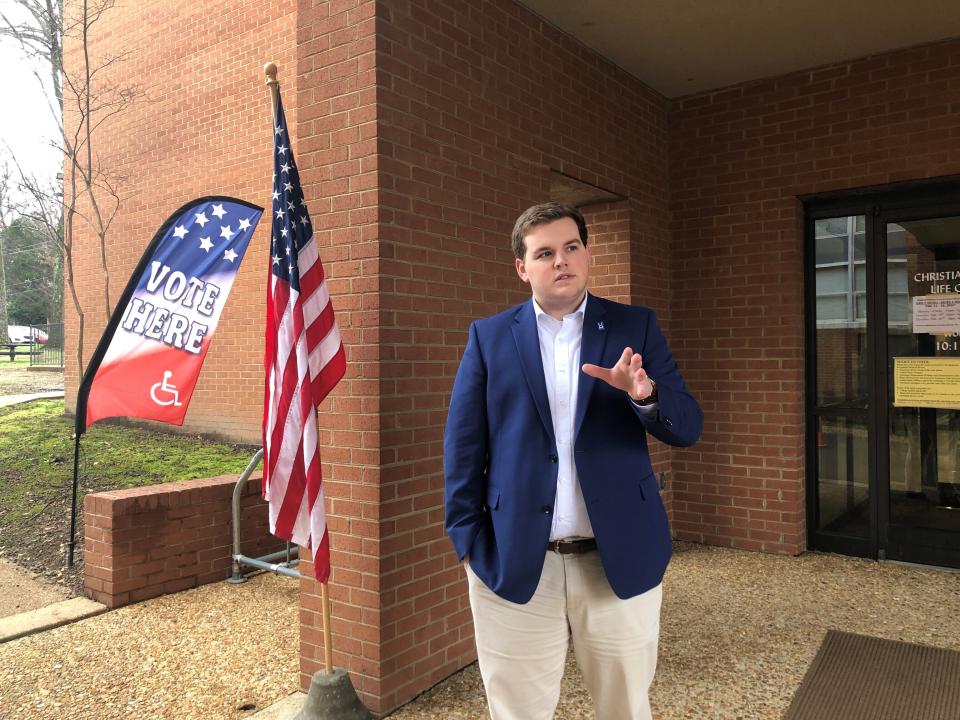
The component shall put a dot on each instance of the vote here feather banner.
(147, 363)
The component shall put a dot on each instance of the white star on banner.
(285, 168)
(219, 211)
(229, 255)
(282, 149)
(180, 231)
(276, 195)
(276, 259)
(288, 187)
(226, 232)
(278, 130)
(279, 213)
(289, 204)
(244, 224)
(283, 231)
(205, 244)
(304, 221)
(202, 219)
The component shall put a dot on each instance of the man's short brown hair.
(541, 215)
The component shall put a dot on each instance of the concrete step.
(46, 618)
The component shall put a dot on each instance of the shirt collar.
(578, 313)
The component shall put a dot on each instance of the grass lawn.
(36, 472)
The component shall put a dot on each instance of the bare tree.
(86, 99)
(5, 210)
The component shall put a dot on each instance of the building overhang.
(689, 46)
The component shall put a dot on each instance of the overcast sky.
(26, 125)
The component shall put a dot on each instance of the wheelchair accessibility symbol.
(169, 393)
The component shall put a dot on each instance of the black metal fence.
(48, 353)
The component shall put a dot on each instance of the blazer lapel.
(592, 344)
(531, 363)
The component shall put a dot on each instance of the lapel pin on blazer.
(600, 326)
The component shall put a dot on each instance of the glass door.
(840, 508)
(920, 508)
(883, 373)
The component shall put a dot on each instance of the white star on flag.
(226, 232)
(285, 168)
(219, 211)
(244, 224)
(205, 244)
(229, 255)
(202, 219)
(180, 231)
(276, 259)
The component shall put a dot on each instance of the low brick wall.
(145, 542)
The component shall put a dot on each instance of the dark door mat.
(855, 677)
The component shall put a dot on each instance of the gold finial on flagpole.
(270, 70)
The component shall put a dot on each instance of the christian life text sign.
(926, 382)
(936, 314)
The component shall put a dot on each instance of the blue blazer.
(500, 454)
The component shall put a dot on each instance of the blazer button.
(547, 509)
(553, 458)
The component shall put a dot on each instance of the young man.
(551, 501)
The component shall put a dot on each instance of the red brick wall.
(740, 157)
(144, 542)
(336, 145)
(202, 128)
(422, 129)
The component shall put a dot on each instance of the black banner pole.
(73, 507)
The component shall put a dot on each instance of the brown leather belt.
(572, 547)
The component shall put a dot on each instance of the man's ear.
(522, 271)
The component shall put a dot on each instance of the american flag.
(304, 360)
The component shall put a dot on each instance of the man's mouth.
(565, 276)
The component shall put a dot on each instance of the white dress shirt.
(560, 342)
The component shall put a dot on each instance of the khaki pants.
(522, 648)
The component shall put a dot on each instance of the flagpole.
(270, 70)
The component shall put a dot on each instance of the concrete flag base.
(332, 697)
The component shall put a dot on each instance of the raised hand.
(627, 375)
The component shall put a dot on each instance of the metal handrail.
(263, 562)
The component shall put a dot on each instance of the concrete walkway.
(6, 400)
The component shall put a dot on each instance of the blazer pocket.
(649, 487)
(493, 498)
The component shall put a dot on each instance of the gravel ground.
(196, 655)
(739, 631)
